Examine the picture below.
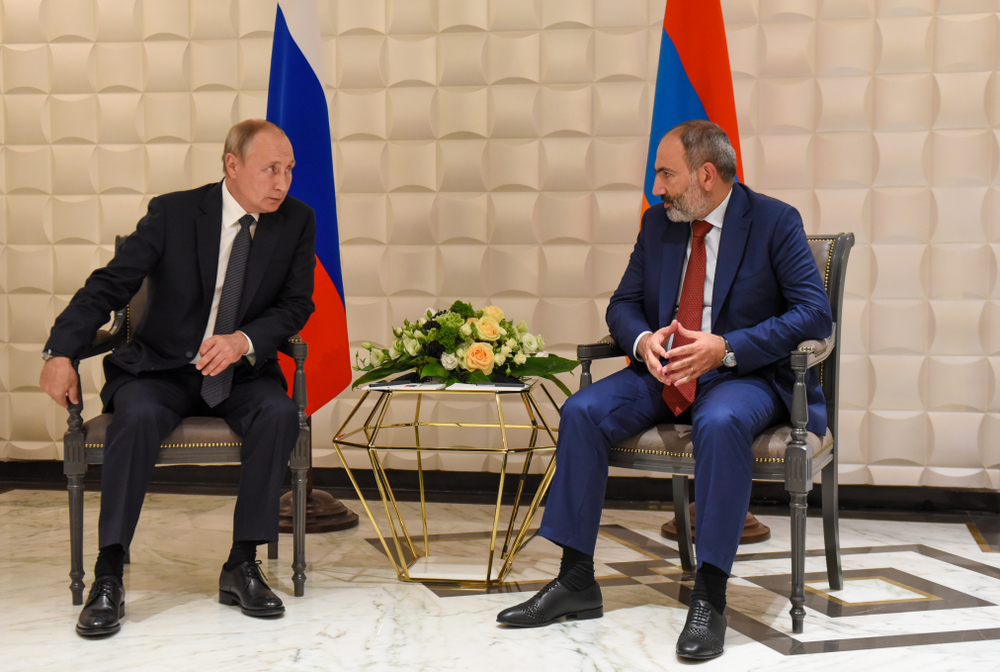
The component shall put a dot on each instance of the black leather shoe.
(104, 610)
(704, 633)
(553, 602)
(245, 586)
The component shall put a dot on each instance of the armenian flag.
(693, 80)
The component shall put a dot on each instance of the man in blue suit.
(720, 287)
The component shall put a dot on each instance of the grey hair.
(706, 142)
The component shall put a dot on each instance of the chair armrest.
(108, 339)
(294, 347)
(603, 349)
(812, 352)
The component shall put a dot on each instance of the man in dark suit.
(230, 277)
(720, 287)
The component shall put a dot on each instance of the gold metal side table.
(425, 567)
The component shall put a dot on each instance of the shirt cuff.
(635, 346)
(250, 354)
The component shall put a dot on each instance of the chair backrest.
(831, 254)
(136, 305)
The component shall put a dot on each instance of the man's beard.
(687, 207)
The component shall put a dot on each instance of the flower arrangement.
(462, 345)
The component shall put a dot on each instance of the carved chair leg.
(299, 478)
(831, 527)
(682, 519)
(799, 504)
(76, 572)
(272, 550)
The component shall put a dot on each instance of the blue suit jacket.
(767, 297)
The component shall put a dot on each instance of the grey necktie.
(215, 389)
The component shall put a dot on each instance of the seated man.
(230, 273)
(722, 285)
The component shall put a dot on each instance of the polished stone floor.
(919, 595)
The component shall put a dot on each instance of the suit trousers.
(148, 407)
(728, 411)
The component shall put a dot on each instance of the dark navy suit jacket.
(767, 295)
(176, 246)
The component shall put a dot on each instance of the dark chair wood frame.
(213, 443)
(799, 465)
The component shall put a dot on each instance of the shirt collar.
(716, 217)
(232, 211)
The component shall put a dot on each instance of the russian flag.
(296, 102)
(694, 80)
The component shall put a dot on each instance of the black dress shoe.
(245, 586)
(553, 602)
(104, 610)
(704, 633)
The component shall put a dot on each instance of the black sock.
(110, 562)
(242, 551)
(576, 570)
(710, 585)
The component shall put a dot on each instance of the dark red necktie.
(689, 311)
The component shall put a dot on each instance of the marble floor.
(919, 595)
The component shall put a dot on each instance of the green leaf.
(435, 370)
(478, 376)
(544, 366)
(384, 371)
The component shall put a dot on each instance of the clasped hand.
(686, 362)
(221, 350)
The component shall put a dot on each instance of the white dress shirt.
(712, 238)
(232, 212)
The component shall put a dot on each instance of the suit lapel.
(265, 237)
(675, 239)
(735, 229)
(208, 226)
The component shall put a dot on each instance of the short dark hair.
(705, 142)
(242, 134)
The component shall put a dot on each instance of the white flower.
(520, 358)
(541, 342)
(412, 346)
(499, 359)
(396, 349)
(449, 361)
(465, 330)
(530, 343)
(510, 343)
(506, 350)
(378, 356)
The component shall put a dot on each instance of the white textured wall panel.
(494, 151)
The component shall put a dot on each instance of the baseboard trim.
(480, 488)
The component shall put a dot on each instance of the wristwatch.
(729, 359)
(48, 354)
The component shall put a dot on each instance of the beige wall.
(495, 150)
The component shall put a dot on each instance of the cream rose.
(449, 361)
(499, 359)
(479, 356)
(488, 329)
(520, 358)
(493, 311)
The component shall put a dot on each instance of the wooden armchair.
(782, 453)
(197, 440)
